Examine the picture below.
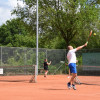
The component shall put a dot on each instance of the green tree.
(16, 33)
(72, 20)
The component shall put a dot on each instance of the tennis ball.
(94, 34)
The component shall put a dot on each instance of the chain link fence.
(21, 61)
(89, 62)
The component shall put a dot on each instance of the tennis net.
(18, 73)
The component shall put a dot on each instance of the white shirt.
(71, 56)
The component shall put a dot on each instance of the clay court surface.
(51, 88)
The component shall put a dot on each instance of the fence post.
(35, 77)
(1, 55)
(46, 53)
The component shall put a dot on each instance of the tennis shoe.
(69, 85)
(44, 75)
(73, 86)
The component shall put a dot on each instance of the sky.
(6, 6)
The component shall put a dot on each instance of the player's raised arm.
(49, 63)
(80, 47)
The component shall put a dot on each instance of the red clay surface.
(51, 88)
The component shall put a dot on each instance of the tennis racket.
(33, 78)
(77, 81)
(89, 36)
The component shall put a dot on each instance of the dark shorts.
(72, 67)
(45, 68)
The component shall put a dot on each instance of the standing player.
(46, 67)
(71, 57)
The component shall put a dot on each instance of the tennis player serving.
(71, 57)
(46, 67)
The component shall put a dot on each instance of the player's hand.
(85, 44)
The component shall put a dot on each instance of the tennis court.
(51, 88)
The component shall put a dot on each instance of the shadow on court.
(90, 84)
(14, 80)
(54, 89)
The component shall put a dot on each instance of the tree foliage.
(70, 19)
(61, 22)
(15, 33)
